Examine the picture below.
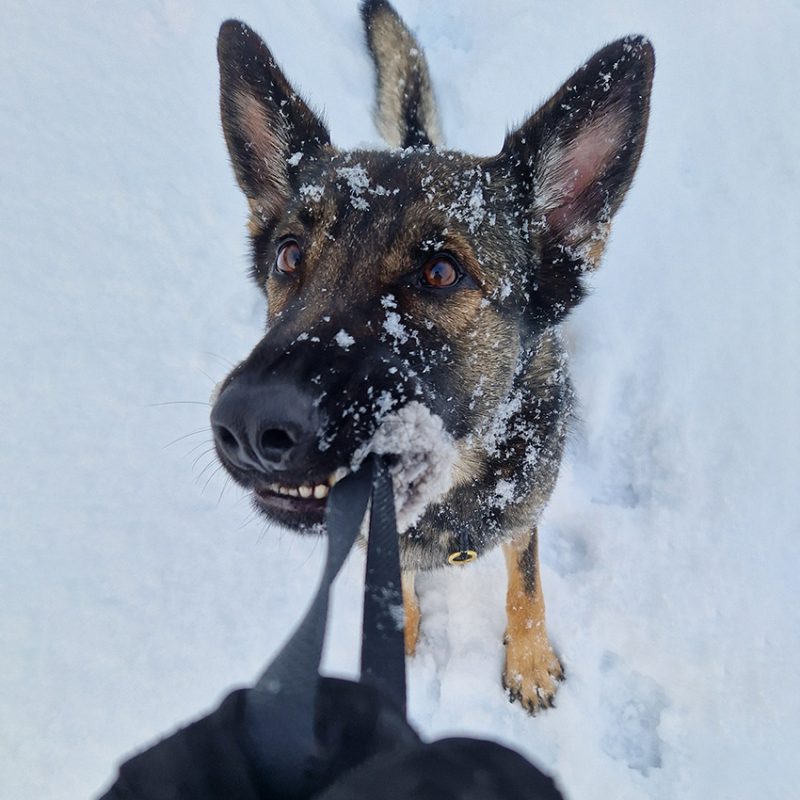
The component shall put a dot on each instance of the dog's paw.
(532, 674)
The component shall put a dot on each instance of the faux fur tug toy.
(423, 453)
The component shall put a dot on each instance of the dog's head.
(412, 276)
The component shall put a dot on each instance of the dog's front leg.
(411, 609)
(532, 669)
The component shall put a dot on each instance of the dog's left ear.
(268, 127)
(575, 159)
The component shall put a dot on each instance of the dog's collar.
(465, 552)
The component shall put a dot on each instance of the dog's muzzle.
(291, 419)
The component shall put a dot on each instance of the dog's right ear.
(268, 127)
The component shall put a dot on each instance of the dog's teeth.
(273, 487)
(293, 493)
(320, 491)
(283, 490)
(305, 491)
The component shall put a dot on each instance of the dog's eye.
(440, 272)
(288, 258)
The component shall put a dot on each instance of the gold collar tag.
(461, 557)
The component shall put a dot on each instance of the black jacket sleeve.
(449, 769)
(205, 760)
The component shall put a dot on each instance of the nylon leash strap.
(281, 707)
(383, 662)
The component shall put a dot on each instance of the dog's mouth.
(417, 449)
(302, 504)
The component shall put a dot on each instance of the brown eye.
(440, 272)
(288, 258)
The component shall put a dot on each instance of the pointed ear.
(268, 127)
(405, 112)
(576, 156)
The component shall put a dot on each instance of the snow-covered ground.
(136, 589)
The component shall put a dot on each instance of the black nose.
(265, 427)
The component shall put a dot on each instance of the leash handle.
(383, 663)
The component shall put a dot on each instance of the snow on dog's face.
(305, 408)
(377, 307)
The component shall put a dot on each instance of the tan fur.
(469, 464)
(399, 55)
(412, 612)
(597, 246)
(532, 670)
(255, 223)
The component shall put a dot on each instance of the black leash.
(282, 707)
(383, 663)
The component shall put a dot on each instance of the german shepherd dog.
(423, 274)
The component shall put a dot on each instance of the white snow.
(344, 339)
(504, 491)
(422, 473)
(137, 587)
(393, 326)
(357, 180)
(312, 191)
